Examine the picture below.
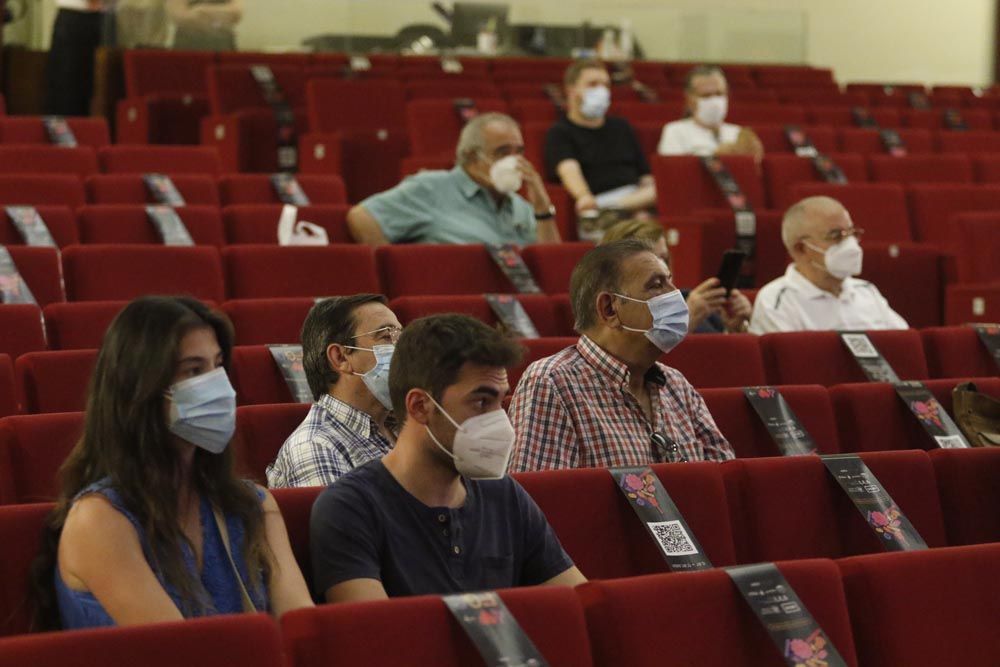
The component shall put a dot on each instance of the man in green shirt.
(475, 202)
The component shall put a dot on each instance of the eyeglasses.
(838, 235)
(385, 335)
(667, 447)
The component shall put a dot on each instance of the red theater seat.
(684, 186)
(48, 160)
(121, 272)
(748, 114)
(941, 604)
(933, 119)
(537, 348)
(60, 221)
(296, 504)
(21, 529)
(32, 448)
(195, 189)
(878, 208)
(21, 329)
(91, 132)
(871, 417)
(258, 223)
(956, 352)
(700, 618)
(977, 245)
(257, 189)
(552, 264)
(967, 483)
(367, 159)
(792, 507)
(79, 326)
(775, 141)
(624, 548)
(131, 224)
(162, 159)
(842, 116)
(39, 267)
(910, 276)
(445, 89)
(972, 303)
(737, 420)
(538, 307)
(345, 633)
(868, 141)
(783, 172)
(232, 88)
(909, 169)
(374, 105)
(434, 125)
(718, 360)
(39, 190)
(986, 167)
(408, 270)
(268, 321)
(54, 381)
(932, 208)
(250, 641)
(819, 357)
(260, 272)
(260, 432)
(8, 394)
(970, 143)
(256, 377)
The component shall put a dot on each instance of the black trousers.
(70, 69)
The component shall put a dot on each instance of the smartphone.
(729, 269)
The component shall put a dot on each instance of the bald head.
(813, 216)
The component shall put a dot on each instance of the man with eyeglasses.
(347, 345)
(819, 291)
(607, 401)
(477, 201)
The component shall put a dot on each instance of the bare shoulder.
(269, 504)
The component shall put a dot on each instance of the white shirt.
(79, 5)
(686, 137)
(792, 303)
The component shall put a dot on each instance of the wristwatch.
(547, 215)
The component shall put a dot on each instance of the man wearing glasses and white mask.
(819, 291)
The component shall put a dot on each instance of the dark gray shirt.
(367, 526)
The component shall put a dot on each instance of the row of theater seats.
(786, 510)
(842, 418)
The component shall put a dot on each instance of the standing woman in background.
(152, 524)
(205, 25)
(69, 72)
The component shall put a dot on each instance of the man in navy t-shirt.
(437, 515)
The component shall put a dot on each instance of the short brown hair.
(432, 350)
(647, 230)
(701, 70)
(329, 321)
(599, 271)
(576, 68)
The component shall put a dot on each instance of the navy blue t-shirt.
(367, 526)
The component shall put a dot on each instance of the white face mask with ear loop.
(670, 319)
(711, 111)
(506, 175)
(203, 410)
(377, 379)
(841, 260)
(482, 445)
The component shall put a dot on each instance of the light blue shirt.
(450, 207)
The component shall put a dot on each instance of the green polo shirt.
(450, 207)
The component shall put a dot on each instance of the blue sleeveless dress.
(80, 609)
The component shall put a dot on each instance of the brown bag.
(978, 415)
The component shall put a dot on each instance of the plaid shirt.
(333, 439)
(574, 410)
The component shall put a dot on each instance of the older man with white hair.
(818, 291)
(475, 202)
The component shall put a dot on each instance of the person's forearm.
(364, 228)
(572, 179)
(548, 231)
(644, 197)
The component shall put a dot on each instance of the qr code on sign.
(672, 538)
(859, 345)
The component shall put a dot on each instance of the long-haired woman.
(151, 523)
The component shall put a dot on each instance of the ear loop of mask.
(431, 433)
(363, 349)
(629, 298)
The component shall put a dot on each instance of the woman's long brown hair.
(126, 441)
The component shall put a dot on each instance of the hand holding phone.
(729, 269)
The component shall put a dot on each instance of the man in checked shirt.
(607, 402)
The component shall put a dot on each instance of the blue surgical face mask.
(377, 379)
(203, 410)
(670, 319)
(595, 102)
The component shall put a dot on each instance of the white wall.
(875, 40)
